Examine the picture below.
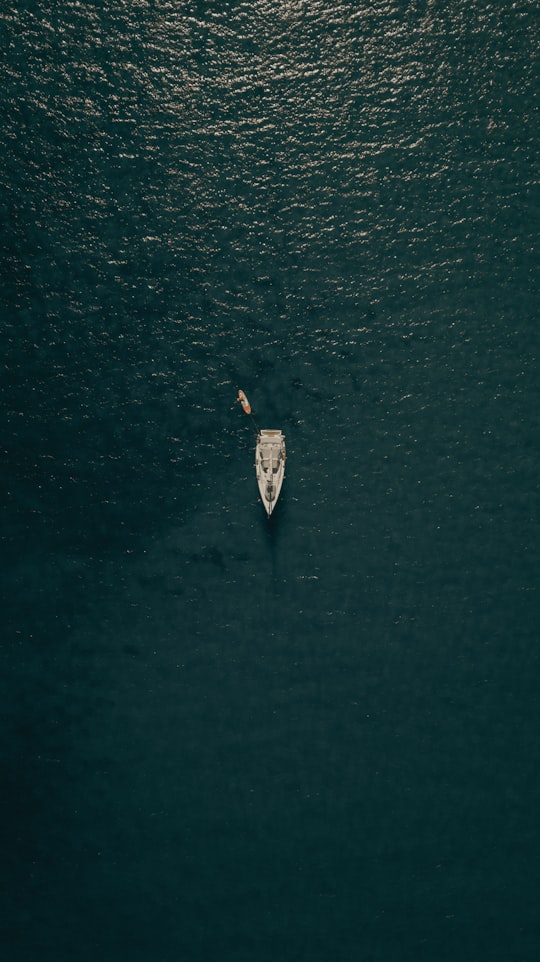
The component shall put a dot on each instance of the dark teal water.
(313, 739)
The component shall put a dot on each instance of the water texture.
(314, 738)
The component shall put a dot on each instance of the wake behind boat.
(270, 457)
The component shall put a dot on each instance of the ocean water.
(312, 738)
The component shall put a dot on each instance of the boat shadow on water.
(272, 529)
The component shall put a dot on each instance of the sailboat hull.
(270, 457)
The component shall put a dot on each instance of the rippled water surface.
(314, 738)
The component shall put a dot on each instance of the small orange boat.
(246, 406)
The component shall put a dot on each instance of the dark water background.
(315, 739)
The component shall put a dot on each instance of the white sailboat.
(270, 457)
